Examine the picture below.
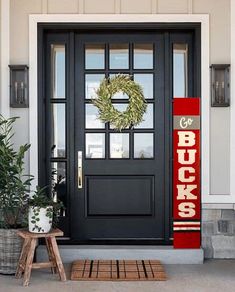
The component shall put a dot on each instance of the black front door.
(119, 191)
(116, 187)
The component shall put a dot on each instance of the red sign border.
(187, 230)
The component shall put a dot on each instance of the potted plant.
(14, 194)
(43, 211)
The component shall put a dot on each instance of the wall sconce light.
(19, 96)
(220, 85)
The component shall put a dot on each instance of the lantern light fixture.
(220, 85)
(19, 97)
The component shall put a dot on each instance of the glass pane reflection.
(119, 145)
(143, 56)
(147, 119)
(95, 145)
(94, 56)
(92, 84)
(58, 140)
(180, 70)
(146, 81)
(143, 145)
(58, 71)
(59, 183)
(92, 120)
(119, 56)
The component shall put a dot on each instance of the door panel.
(123, 173)
(119, 195)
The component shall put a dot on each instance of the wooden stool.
(25, 264)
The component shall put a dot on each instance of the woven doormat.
(118, 270)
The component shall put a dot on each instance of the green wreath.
(136, 108)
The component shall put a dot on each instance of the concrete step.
(166, 254)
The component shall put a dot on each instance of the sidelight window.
(58, 71)
(180, 70)
(57, 116)
(58, 133)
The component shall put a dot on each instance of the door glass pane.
(119, 56)
(119, 145)
(58, 71)
(143, 145)
(143, 56)
(146, 81)
(92, 120)
(120, 107)
(58, 140)
(95, 145)
(147, 118)
(120, 94)
(180, 70)
(94, 56)
(92, 84)
(59, 183)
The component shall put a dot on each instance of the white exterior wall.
(4, 57)
(219, 117)
(219, 12)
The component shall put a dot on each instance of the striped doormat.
(118, 270)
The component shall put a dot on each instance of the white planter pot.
(44, 224)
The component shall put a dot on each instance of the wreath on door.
(133, 115)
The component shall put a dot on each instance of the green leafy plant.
(39, 200)
(14, 184)
(136, 108)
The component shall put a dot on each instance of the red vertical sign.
(186, 174)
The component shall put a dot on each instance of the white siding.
(219, 11)
(220, 117)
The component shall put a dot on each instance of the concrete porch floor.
(212, 276)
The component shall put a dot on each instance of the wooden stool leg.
(50, 255)
(29, 261)
(59, 263)
(22, 259)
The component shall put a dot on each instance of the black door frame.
(43, 130)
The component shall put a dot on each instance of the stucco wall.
(219, 11)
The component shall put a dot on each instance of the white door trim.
(34, 19)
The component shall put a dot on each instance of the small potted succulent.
(43, 211)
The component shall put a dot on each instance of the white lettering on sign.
(186, 138)
(186, 157)
(191, 153)
(187, 209)
(183, 174)
(185, 192)
(184, 123)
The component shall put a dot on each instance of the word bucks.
(186, 173)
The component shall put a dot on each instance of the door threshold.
(166, 254)
(115, 242)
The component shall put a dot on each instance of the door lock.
(80, 169)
